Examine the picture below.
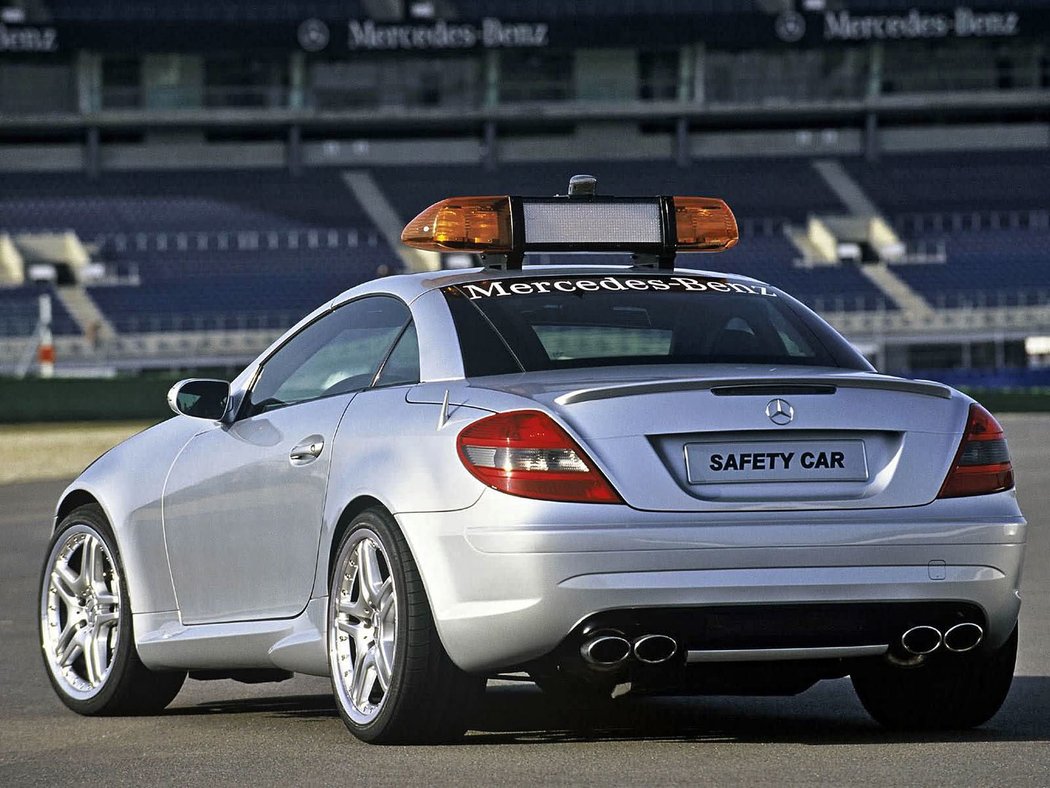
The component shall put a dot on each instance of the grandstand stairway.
(895, 288)
(85, 313)
(844, 187)
(378, 208)
(864, 212)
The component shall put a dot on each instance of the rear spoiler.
(759, 387)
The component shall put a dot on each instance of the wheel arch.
(74, 499)
(359, 504)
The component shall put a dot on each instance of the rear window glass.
(532, 324)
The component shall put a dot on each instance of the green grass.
(1036, 400)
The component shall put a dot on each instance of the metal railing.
(1004, 298)
(236, 338)
(851, 302)
(251, 320)
(195, 97)
(971, 221)
(237, 240)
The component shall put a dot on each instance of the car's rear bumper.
(509, 578)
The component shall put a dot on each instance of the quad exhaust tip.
(609, 651)
(655, 649)
(605, 651)
(963, 637)
(921, 640)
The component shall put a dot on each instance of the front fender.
(127, 482)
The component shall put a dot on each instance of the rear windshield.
(543, 323)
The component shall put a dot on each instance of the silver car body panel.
(226, 545)
(533, 582)
(237, 511)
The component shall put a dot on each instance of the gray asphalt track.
(227, 733)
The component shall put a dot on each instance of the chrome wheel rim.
(363, 626)
(80, 612)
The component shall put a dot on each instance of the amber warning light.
(459, 224)
(652, 228)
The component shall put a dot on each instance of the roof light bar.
(654, 229)
(462, 224)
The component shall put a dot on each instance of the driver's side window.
(338, 353)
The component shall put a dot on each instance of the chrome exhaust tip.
(963, 637)
(921, 640)
(605, 651)
(654, 649)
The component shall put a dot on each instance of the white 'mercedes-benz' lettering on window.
(532, 323)
(687, 284)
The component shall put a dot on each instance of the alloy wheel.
(80, 612)
(363, 621)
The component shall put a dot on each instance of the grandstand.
(183, 203)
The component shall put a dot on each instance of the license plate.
(776, 461)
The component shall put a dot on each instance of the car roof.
(411, 286)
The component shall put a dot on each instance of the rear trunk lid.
(752, 437)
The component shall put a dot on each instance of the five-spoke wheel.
(81, 612)
(364, 645)
(85, 624)
(392, 679)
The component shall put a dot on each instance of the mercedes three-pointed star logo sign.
(780, 411)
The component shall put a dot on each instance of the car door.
(243, 503)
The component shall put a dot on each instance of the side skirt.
(292, 644)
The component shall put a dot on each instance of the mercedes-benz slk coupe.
(616, 479)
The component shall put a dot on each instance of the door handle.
(307, 451)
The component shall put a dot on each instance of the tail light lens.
(982, 464)
(526, 453)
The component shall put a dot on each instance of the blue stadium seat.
(755, 188)
(153, 224)
(20, 312)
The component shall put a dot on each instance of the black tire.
(126, 687)
(949, 692)
(428, 698)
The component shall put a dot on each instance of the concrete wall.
(988, 136)
(190, 155)
(590, 140)
(795, 142)
(363, 152)
(41, 158)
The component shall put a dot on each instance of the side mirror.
(200, 398)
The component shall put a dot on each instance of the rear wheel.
(953, 691)
(392, 679)
(85, 624)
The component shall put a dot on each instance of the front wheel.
(392, 679)
(85, 624)
(951, 692)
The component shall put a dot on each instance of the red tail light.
(526, 453)
(982, 464)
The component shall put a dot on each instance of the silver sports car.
(632, 479)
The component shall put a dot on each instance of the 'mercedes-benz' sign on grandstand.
(963, 23)
(491, 33)
(607, 24)
(914, 24)
(28, 38)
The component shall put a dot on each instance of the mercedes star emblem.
(780, 411)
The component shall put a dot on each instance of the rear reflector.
(982, 464)
(526, 453)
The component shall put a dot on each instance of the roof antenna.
(583, 186)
